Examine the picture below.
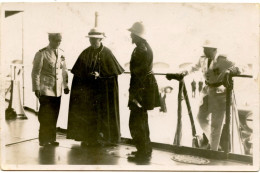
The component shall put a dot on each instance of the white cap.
(210, 44)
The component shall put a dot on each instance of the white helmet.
(96, 33)
(138, 29)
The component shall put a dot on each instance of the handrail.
(182, 91)
(229, 89)
(243, 75)
(127, 72)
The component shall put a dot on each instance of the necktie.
(209, 61)
(55, 52)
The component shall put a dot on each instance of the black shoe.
(204, 142)
(139, 158)
(84, 144)
(134, 153)
(43, 144)
(205, 139)
(54, 143)
(90, 144)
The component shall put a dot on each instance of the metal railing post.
(178, 132)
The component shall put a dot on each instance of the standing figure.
(143, 93)
(200, 86)
(49, 76)
(193, 87)
(215, 69)
(94, 103)
(164, 91)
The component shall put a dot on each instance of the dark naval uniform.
(49, 76)
(144, 90)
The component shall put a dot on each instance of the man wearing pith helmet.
(49, 76)
(94, 103)
(215, 68)
(143, 93)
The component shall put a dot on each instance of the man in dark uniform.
(193, 87)
(49, 76)
(143, 93)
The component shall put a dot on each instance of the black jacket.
(143, 85)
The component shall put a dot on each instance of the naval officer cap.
(55, 34)
(210, 44)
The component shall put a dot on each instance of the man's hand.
(137, 103)
(96, 74)
(226, 79)
(37, 93)
(66, 91)
(177, 76)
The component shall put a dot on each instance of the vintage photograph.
(130, 86)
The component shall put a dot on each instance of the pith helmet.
(138, 29)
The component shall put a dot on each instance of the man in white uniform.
(215, 68)
(49, 76)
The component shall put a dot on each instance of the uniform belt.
(150, 72)
(213, 84)
(142, 75)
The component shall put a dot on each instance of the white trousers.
(210, 117)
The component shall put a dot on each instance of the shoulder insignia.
(43, 49)
(222, 57)
(142, 48)
(62, 58)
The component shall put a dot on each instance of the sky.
(175, 31)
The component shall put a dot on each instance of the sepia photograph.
(129, 86)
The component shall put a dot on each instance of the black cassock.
(94, 102)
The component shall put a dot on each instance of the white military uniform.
(49, 74)
(214, 98)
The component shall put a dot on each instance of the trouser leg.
(203, 117)
(56, 108)
(218, 113)
(48, 115)
(139, 129)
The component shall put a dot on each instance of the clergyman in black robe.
(94, 103)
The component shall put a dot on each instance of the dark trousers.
(48, 116)
(139, 129)
(194, 93)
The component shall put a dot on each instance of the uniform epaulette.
(142, 48)
(42, 49)
(222, 57)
